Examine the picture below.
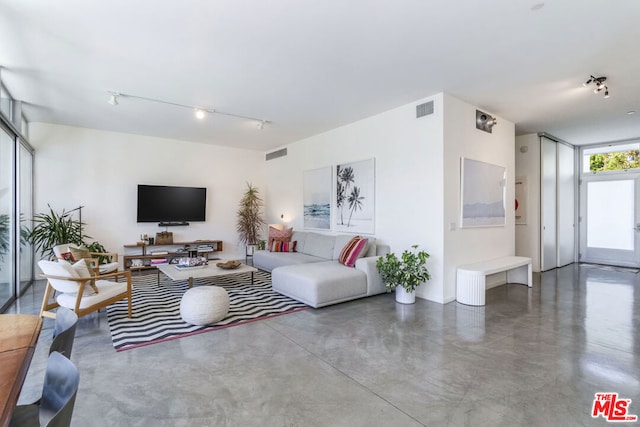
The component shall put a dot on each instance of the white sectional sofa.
(313, 274)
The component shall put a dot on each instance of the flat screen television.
(166, 204)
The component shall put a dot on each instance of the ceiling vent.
(275, 154)
(424, 109)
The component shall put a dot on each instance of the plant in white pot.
(404, 274)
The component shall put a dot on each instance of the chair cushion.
(83, 271)
(108, 268)
(106, 288)
(60, 269)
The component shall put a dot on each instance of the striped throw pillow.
(282, 246)
(352, 250)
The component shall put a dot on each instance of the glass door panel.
(609, 232)
(7, 223)
(25, 200)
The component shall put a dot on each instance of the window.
(611, 158)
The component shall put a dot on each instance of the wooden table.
(18, 337)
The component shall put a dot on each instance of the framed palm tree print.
(355, 197)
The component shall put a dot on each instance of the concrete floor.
(530, 357)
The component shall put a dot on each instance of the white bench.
(471, 281)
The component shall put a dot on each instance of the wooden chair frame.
(49, 292)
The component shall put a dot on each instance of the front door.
(610, 221)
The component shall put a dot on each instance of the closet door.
(548, 208)
(566, 205)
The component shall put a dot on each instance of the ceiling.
(309, 66)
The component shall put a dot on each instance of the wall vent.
(275, 154)
(424, 109)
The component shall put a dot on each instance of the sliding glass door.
(7, 217)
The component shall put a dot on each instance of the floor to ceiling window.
(16, 200)
(7, 218)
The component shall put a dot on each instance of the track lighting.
(600, 86)
(113, 100)
(200, 113)
(485, 121)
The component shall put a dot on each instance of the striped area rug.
(156, 308)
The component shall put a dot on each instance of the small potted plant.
(404, 274)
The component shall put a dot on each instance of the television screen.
(161, 203)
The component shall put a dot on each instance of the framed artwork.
(522, 194)
(355, 197)
(483, 194)
(317, 198)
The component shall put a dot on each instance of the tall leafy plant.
(250, 220)
(53, 229)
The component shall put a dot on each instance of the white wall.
(417, 182)
(528, 165)
(408, 169)
(101, 170)
(462, 139)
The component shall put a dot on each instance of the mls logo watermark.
(612, 408)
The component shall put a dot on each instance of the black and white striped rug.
(156, 308)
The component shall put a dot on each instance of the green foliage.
(53, 229)
(250, 219)
(408, 271)
(615, 161)
(97, 247)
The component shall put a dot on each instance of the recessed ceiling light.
(632, 112)
(537, 6)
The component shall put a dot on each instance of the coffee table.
(209, 270)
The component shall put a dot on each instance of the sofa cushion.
(301, 238)
(372, 247)
(353, 250)
(319, 245)
(265, 260)
(320, 283)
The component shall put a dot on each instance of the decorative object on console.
(250, 220)
(355, 197)
(407, 272)
(164, 238)
(283, 235)
(316, 198)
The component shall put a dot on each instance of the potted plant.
(404, 274)
(250, 219)
(53, 229)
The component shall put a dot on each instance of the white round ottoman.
(204, 305)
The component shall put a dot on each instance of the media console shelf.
(148, 253)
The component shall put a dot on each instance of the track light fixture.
(485, 121)
(199, 112)
(600, 86)
(113, 100)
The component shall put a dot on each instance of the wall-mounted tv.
(171, 205)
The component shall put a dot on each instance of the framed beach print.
(483, 194)
(317, 198)
(355, 197)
